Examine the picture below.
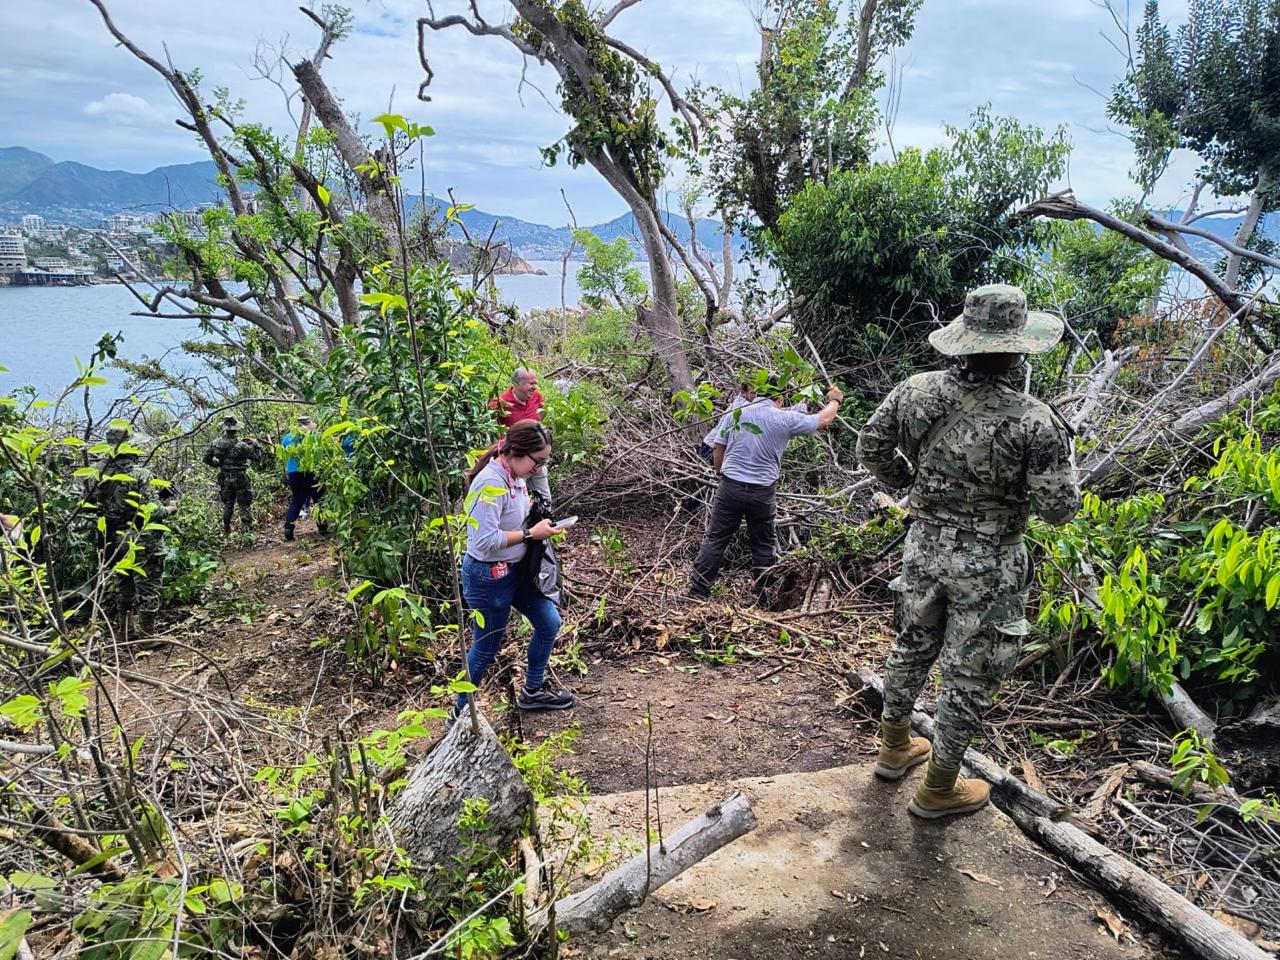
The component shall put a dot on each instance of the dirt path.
(838, 868)
(771, 723)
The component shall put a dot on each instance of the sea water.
(43, 330)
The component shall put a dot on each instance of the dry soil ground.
(836, 868)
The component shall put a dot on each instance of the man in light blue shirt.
(749, 444)
(746, 393)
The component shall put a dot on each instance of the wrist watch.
(525, 536)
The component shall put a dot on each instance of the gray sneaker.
(454, 713)
(546, 697)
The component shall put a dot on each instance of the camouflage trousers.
(131, 591)
(963, 604)
(233, 489)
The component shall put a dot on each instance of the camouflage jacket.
(119, 501)
(1008, 455)
(232, 455)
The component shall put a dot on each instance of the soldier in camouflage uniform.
(129, 499)
(233, 456)
(978, 457)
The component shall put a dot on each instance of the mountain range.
(80, 195)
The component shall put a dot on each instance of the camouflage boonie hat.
(230, 423)
(996, 320)
(117, 435)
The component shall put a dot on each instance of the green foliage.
(1210, 87)
(410, 388)
(611, 544)
(609, 338)
(879, 249)
(393, 624)
(192, 549)
(613, 112)
(1189, 588)
(608, 275)
(812, 112)
(1096, 278)
(1194, 762)
(577, 421)
(848, 544)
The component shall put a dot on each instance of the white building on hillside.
(13, 253)
(32, 224)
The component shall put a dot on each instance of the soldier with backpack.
(978, 457)
(233, 456)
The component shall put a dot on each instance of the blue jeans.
(493, 597)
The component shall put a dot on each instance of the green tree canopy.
(813, 110)
(1211, 86)
(882, 251)
(1096, 278)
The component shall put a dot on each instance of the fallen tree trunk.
(1187, 713)
(627, 886)
(465, 765)
(1043, 819)
(1140, 892)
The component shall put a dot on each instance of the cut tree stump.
(464, 765)
(1046, 822)
(627, 886)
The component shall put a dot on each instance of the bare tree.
(296, 275)
(603, 87)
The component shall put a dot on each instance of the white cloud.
(76, 95)
(125, 108)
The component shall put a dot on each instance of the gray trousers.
(538, 483)
(735, 501)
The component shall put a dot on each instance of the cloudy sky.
(67, 91)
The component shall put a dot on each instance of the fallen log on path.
(1058, 828)
(1139, 891)
(627, 886)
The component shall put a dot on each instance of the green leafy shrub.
(880, 249)
(577, 420)
(1188, 586)
(410, 388)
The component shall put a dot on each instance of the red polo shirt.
(510, 410)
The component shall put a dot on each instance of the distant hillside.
(536, 241)
(18, 167)
(78, 194)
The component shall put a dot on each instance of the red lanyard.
(511, 481)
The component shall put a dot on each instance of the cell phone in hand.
(566, 522)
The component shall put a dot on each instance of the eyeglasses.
(539, 461)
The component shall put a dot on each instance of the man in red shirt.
(523, 402)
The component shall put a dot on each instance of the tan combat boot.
(899, 750)
(945, 793)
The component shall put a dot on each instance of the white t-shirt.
(755, 438)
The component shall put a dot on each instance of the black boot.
(288, 531)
